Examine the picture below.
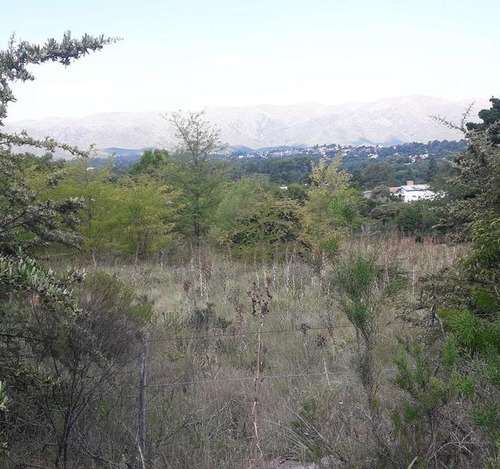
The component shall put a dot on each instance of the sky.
(192, 54)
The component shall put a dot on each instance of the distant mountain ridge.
(386, 122)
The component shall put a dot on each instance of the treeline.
(165, 201)
(369, 165)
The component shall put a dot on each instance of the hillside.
(386, 122)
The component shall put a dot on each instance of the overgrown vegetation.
(301, 323)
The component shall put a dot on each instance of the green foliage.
(67, 342)
(421, 162)
(476, 181)
(480, 340)
(329, 178)
(305, 430)
(15, 60)
(362, 286)
(417, 161)
(62, 349)
(151, 161)
(381, 193)
(417, 218)
(330, 244)
(447, 315)
(377, 174)
(488, 417)
(98, 205)
(429, 388)
(104, 294)
(28, 220)
(485, 237)
(3, 397)
(133, 217)
(282, 170)
(148, 212)
(195, 174)
(464, 371)
(358, 283)
(475, 334)
(294, 191)
(385, 213)
(240, 199)
(62, 367)
(484, 301)
(271, 226)
(21, 273)
(474, 214)
(491, 121)
(204, 319)
(331, 209)
(254, 222)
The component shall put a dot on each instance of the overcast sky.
(189, 54)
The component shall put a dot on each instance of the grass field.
(310, 405)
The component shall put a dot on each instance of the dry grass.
(201, 359)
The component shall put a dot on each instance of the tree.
(491, 121)
(432, 169)
(362, 287)
(457, 379)
(254, 222)
(294, 191)
(25, 220)
(63, 369)
(194, 171)
(54, 364)
(432, 401)
(377, 174)
(131, 217)
(151, 161)
(20, 54)
(474, 212)
(416, 218)
(145, 219)
(331, 208)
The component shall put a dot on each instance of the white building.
(413, 192)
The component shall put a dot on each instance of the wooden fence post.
(141, 428)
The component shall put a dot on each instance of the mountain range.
(385, 122)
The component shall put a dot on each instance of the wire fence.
(303, 330)
(233, 334)
(245, 378)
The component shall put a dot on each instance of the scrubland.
(311, 405)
